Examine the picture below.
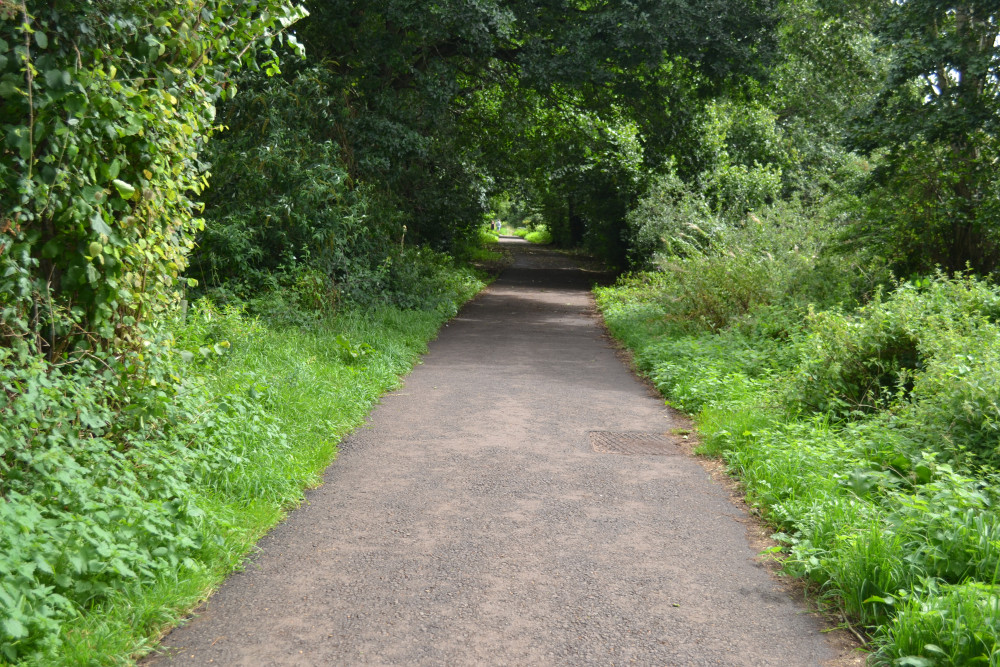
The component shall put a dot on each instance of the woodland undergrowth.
(118, 515)
(860, 414)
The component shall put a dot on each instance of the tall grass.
(866, 434)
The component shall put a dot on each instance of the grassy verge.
(868, 437)
(154, 515)
(311, 391)
(539, 235)
(486, 253)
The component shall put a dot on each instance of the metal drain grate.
(633, 443)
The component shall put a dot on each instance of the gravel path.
(479, 519)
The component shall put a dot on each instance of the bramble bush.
(925, 354)
(716, 274)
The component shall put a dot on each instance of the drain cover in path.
(633, 442)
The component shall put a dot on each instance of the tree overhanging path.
(472, 522)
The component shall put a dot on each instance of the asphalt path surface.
(485, 516)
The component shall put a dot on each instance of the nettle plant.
(104, 107)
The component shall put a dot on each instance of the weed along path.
(519, 501)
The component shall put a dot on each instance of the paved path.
(472, 521)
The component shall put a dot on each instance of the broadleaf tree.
(936, 117)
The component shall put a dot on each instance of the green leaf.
(43, 565)
(92, 275)
(124, 189)
(14, 628)
(79, 563)
(914, 661)
(98, 225)
(41, 40)
(54, 77)
(877, 598)
(119, 566)
(923, 473)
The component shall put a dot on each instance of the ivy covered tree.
(106, 106)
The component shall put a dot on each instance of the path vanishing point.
(486, 515)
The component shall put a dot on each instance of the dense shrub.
(737, 189)
(96, 495)
(421, 278)
(105, 107)
(746, 152)
(715, 274)
(670, 220)
(963, 622)
(927, 351)
(955, 402)
(750, 281)
(282, 209)
(540, 234)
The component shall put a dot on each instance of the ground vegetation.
(821, 296)
(805, 193)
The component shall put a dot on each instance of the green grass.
(899, 535)
(934, 616)
(278, 401)
(539, 235)
(486, 253)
